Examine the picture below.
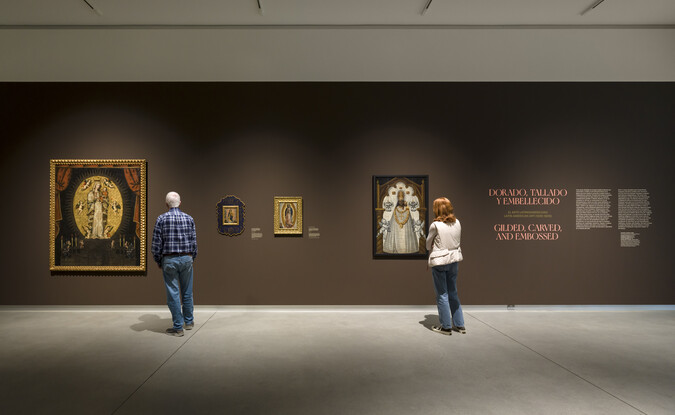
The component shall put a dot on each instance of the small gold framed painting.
(287, 215)
(230, 215)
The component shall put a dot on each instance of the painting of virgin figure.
(97, 220)
(231, 213)
(400, 217)
(288, 215)
(288, 219)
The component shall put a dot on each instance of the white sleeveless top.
(444, 236)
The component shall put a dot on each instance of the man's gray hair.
(172, 199)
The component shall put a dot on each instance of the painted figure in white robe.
(97, 210)
(401, 227)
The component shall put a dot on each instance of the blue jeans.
(178, 279)
(447, 300)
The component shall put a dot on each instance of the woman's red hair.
(443, 210)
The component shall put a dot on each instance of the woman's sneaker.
(175, 332)
(439, 329)
(459, 329)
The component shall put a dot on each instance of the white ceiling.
(337, 12)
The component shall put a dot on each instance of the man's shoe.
(189, 326)
(175, 332)
(439, 329)
(460, 329)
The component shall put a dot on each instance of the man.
(174, 247)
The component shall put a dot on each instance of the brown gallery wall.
(324, 142)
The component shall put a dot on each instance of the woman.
(443, 242)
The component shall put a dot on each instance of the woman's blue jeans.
(177, 272)
(447, 300)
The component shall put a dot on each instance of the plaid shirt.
(174, 234)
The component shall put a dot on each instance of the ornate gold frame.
(230, 207)
(278, 202)
(139, 163)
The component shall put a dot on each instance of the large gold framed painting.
(400, 216)
(97, 215)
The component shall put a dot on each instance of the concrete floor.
(337, 362)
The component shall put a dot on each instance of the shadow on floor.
(430, 320)
(152, 322)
